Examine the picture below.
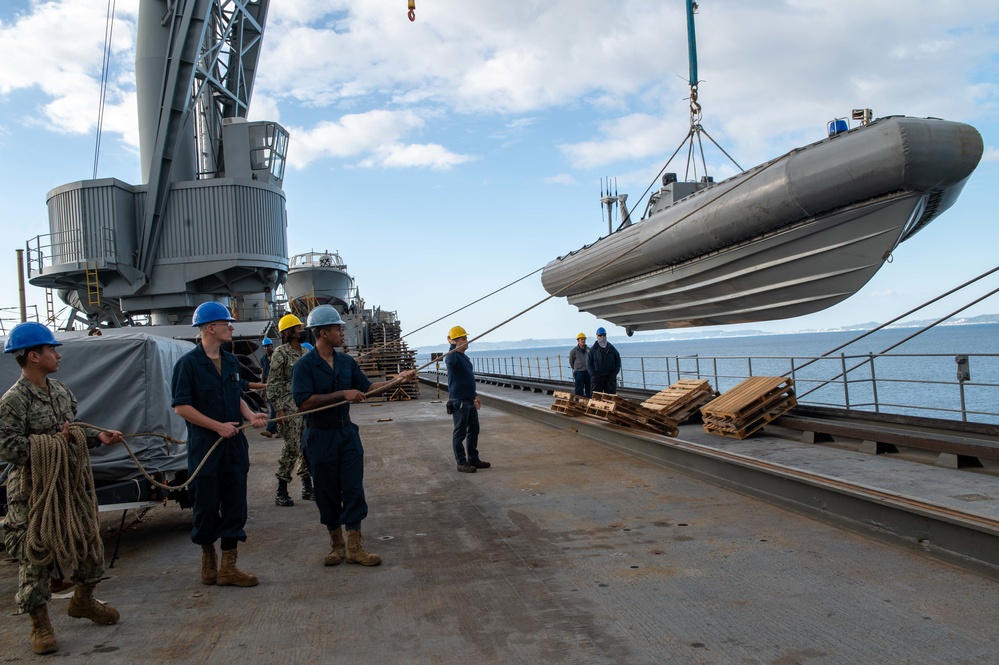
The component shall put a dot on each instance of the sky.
(448, 157)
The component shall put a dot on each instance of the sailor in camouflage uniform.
(279, 393)
(34, 405)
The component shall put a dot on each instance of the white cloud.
(377, 134)
(561, 179)
(414, 155)
(991, 155)
(58, 48)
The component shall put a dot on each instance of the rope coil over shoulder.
(62, 521)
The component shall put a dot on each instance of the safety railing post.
(874, 384)
(846, 383)
(645, 385)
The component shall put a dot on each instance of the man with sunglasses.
(603, 362)
(207, 393)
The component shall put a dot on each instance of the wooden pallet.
(569, 404)
(749, 406)
(681, 400)
(620, 411)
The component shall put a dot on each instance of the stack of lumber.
(749, 406)
(620, 411)
(681, 400)
(568, 403)
(386, 357)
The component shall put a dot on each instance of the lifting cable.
(105, 69)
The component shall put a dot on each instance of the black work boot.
(308, 493)
(281, 498)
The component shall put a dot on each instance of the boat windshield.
(318, 259)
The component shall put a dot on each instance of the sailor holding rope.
(36, 417)
(207, 393)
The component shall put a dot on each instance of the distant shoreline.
(674, 336)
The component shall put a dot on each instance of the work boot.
(282, 498)
(479, 464)
(209, 565)
(466, 468)
(308, 493)
(230, 575)
(83, 606)
(338, 549)
(42, 636)
(356, 552)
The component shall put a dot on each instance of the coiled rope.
(62, 521)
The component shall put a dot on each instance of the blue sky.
(447, 157)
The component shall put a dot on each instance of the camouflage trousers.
(291, 431)
(33, 581)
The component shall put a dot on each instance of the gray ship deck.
(565, 551)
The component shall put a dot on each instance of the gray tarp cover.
(122, 382)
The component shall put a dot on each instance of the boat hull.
(322, 284)
(792, 236)
(793, 272)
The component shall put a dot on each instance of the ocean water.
(918, 377)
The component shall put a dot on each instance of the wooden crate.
(569, 404)
(621, 411)
(749, 406)
(681, 400)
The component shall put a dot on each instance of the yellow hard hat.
(457, 332)
(288, 321)
(581, 336)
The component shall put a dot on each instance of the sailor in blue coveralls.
(207, 393)
(331, 443)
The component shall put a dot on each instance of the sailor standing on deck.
(279, 390)
(38, 405)
(465, 404)
(603, 362)
(207, 393)
(577, 361)
(332, 445)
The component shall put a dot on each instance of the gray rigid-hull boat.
(319, 278)
(787, 238)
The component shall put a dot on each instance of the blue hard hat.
(209, 312)
(267, 342)
(307, 346)
(29, 334)
(324, 315)
(601, 331)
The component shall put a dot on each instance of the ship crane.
(209, 220)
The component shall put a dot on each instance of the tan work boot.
(83, 606)
(42, 636)
(338, 549)
(209, 565)
(356, 552)
(230, 575)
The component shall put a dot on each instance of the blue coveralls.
(461, 392)
(331, 443)
(218, 493)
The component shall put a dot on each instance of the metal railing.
(929, 385)
(72, 246)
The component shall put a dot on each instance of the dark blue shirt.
(460, 377)
(311, 375)
(197, 383)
